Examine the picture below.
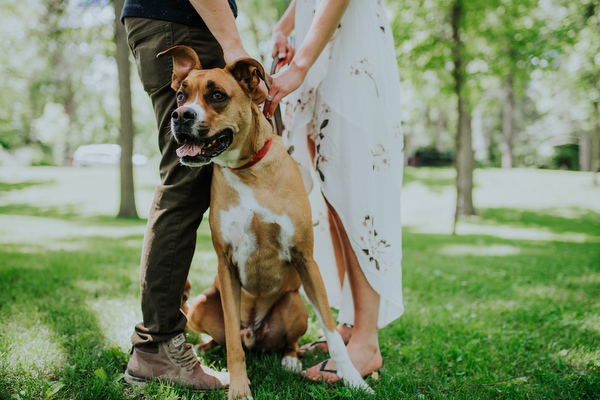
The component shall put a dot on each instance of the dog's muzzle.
(197, 148)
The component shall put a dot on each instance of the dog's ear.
(184, 60)
(249, 72)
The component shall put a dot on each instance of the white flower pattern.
(381, 158)
(373, 246)
(364, 68)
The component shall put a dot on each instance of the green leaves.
(54, 388)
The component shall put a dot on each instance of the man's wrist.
(233, 52)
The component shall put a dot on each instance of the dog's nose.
(184, 114)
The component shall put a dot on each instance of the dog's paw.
(352, 378)
(291, 364)
(358, 383)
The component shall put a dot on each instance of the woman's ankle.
(345, 330)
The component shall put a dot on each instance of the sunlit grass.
(114, 316)
(474, 250)
(29, 346)
(506, 309)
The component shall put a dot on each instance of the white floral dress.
(349, 105)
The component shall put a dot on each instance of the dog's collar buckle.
(259, 156)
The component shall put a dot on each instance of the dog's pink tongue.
(188, 150)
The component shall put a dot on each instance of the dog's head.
(213, 107)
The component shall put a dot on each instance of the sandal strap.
(316, 342)
(323, 369)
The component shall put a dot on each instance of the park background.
(501, 203)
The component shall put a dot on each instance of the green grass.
(507, 309)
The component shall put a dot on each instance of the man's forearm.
(220, 20)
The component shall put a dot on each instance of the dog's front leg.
(315, 290)
(236, 359)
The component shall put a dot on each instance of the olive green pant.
(183, 194)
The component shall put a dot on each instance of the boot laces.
(184, 356)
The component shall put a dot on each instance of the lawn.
(509, 308)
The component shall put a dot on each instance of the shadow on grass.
(582, 221)
(62, 212)
(68, 213)
(485, 318)
(47, 302)
(48, 308)
(40, 288)
(497, 318)
(54, 337)
(8, 187)
(479, 267)
(436, 179)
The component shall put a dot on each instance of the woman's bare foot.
(321, 344)
(366, 359)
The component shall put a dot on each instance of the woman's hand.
(282, 49)
(284, 83)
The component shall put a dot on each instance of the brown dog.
(259, 217)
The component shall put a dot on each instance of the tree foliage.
(508, 44)
(528, 71)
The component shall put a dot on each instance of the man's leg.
(179, 204)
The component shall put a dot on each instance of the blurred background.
(522, 76)
(500, 83)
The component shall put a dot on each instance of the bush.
(566, 156)
(430, 157)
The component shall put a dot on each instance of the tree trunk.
(69, 105)
(440, 128)
(508, 123)
(584, 151)
(464, 157)
(127, 208)
(465, 161)
(595, 144)
(408, 142)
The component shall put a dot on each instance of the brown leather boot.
(173, 361)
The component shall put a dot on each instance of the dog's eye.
(218, 96)
(180, 96)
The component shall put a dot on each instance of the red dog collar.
(259, 156)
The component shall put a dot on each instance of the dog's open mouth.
(201, 153)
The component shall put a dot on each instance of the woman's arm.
(326, 20)
(281, 47)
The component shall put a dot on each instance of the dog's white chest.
(237, 228)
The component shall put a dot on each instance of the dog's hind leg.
(205, 315)
(287, 321)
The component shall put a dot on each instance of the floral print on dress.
(398, 132)
(306, 98)
(363, 51)
(381, 158)
(374, 247)
(287, 123)
(317, 135)
(364, 68)
(381, 17)
(320, 158)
